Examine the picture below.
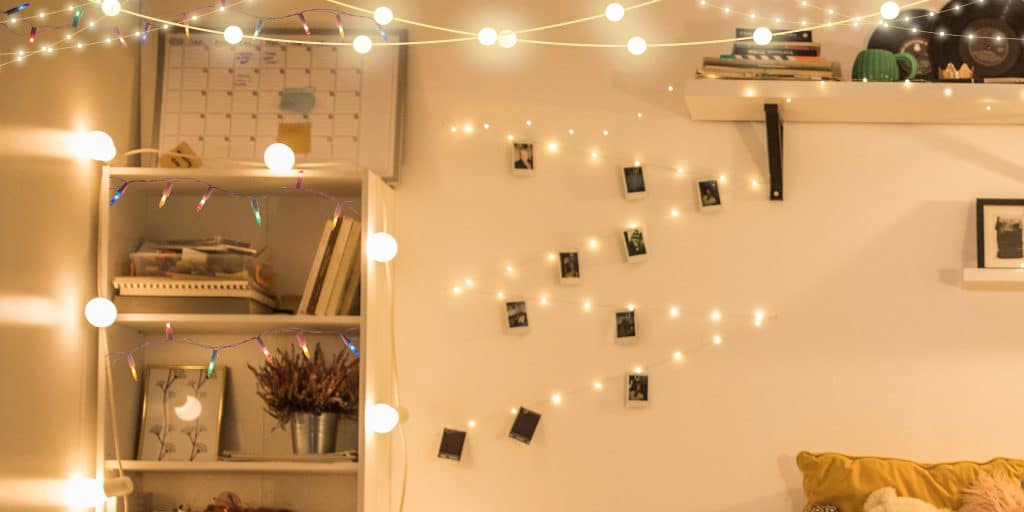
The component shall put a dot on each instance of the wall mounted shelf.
(994, 278)
(148, 466)
(149, 323)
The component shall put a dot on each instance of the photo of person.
(637, 394)
(1000, 233)
(635, 245)
(625, 326)
(569, 267)
(522, 162)
(515, 312)
(710, 197)
(633, 182)
(1010, 237)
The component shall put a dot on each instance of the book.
(318, 283)
(343, 277)
(768, 64)
(804, 36)
(314, 268)
(796, 51)
(755, 73)
(190, 305)
(344, 231)
(350, 302)
(212, 244)
(165, 287)
(772, 57)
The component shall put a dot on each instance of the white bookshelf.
(292, 226)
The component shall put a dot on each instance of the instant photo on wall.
(634, 243)
(569, 267)
(452, 442)
(522, 158)
(709, 196)
(633, 184)
(637, 390)
(524, 425)
(516, 319)
(625, 326)
(1000, 233)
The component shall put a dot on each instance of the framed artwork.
(516, 319)
(181, 413)
(569, 267)
(633, 183)
(1000, 233)
(634, 244)
(709, 197)
(522, 158)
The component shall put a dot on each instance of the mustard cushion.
(846, 482)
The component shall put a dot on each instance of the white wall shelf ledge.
(220, 466)
(147, 323)
(994, 278)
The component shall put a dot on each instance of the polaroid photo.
(635, 244)
(637, 391)
(522, 159)
(569, 267)
(516, 319)
(709, 197)
(452, 442)
(625, 327)
(524, 425)
(633, 183)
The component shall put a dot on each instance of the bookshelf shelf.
(994, 278)
(220, 466)
(147, 323)
(855, 102)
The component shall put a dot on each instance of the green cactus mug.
(882, 66)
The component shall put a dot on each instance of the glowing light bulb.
(472, 423)
(467, 128)
(947, 91)
(762, 36)
(552, 257)
(507, 39)
(351, 346)
(117, 195)
(362, 44)
(587, 306)
(82, 493)
(677, 356)
(673, 312)
(674, 212)
(301, 340)
(255, 204)
(556, 399)
(510, 269)
(487, 36)
(457, 290)
(469, 283)
(381, 247)
(131, 366)
(501, 295)
(213, 362)
(598, 386)
(383, 15)
(264, 349)
(233, 34)
(543, 300)
(638, 369)
(890, 10)
(278, 157)
(95, 145)
(604, 132)
(100, 312)
(614, 12)
(168, 332)
(110, 7)
(166, 193)
(716, 316)
(381, 418)
(717, 340)
(552, 147)
(636, 45)
(205, 198)
(593, 244)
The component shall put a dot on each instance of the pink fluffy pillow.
(993, 494)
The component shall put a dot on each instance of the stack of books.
(332, 287)
(793, 56)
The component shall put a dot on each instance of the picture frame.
(181, 407)
(634, 244)
(634, 185)
(1000, 232)
(569, 267)
(522, 158)
(517, 318)
(709, 195)
(525, 425)
(637, 390)
(626, 327)
(452, 443)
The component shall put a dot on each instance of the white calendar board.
(225, 101)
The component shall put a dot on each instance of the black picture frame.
(981, 204)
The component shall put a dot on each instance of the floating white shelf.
(856, 102)
(230, 324)
(220, 466)
(994, 278)
(252, 179)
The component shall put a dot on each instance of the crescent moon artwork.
(190, 410)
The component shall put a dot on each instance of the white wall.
(872, 347)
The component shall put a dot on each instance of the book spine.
(802, 36)
(789, 58)
(802, 51)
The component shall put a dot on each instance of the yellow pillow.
(846, 482)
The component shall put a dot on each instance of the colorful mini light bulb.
(145, 33)
(169, 331)
(259, 28)
(301, 340)
(298, 181)
(383, 34)
(255, 203)
(341, 29)
(165, 195)
(264, 349)
(206, 197)
(120, 37)
(351, 346)
(131, 366)
(32, 36)
(213, 362)
(337, 214)
(117, 195)
(16, 8)
(77, 18)
(223, 4)
(184, 21)
(305, 26)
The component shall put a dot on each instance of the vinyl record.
(900, 37)
(994, 51)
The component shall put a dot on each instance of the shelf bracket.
(773, 124)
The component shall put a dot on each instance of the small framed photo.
(569, 267)
(633, 183)
(516, 319)
(625, 326)
(181, 413)
(1000, 233)
(452, 442)
(635, 244)
(708, 195)
(637, 390)
(524, 426)
(522, 158)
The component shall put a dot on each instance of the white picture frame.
(634, 244)
(634, 184)
(522, 157)
(516, 316)
(625, 327)
(569, 270)
(638, 392)
(709, 195)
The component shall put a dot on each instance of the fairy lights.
(118, 194)
(205, 198)
(264, 349)
(213, 362)
(131, 366)
(120, 37)
(255, 203)
(487, 36)
(337, 23)
(168, 332)
(300, 339)
(166, 193)
(351, 346)
(305, 25)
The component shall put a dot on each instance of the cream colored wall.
(872, 348)
(47, 265)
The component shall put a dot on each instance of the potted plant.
(310, 395)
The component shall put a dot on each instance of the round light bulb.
(362, 44)
(382, 247)
(100, 312)
(762, 36)
(279, 157)
(636, 45)
(383, 15)
(82, 492)
(890, 10)
(110, 7)
(487, 36)
(233, 34)
(614, 12)
(381, 418)
(94, 145)
(507, 39)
